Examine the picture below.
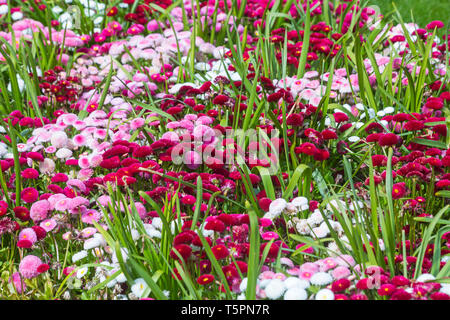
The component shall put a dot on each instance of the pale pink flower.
(77, 183)
(340, 272)
(28, 234)
(140, 209)
(96, 160)
(87, 232)
(310, 267)
(79, 140)
(287, 262)
(90, 216)
(59, 139)
(50, 149)
(47, 166)
(173, 125)
(63, 204)
(266, 275)
(79, 201)
(48, 225)
(279, 276)
(307, 94)
(294, 271)
(79, 125)
(85, 174)
(104, 200)
(39, 210)
(305, 275)
(67, 235)
(53, 199)
(191, 117)
(18, 282)
(28, 267)
(311, 74)
(84, 162)
(137, 123)
(345, 260)
(326, 264)
(170, 135)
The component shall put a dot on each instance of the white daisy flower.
(445, 288)
(354, 139)
(243, 285)
(17, 15)
(388, 110)
(275, 289)
(321, 279)
(299, 202)
(79, 255)
(4, 9)
(91, 243)
(157, 223)
(82, 272)
(277, 206)
(325, 294)
(295, 294)
(139, 287)
(303, 227)
(359, 124)
(320, 232)
(295, 282)
(424, 277)
(121, 278)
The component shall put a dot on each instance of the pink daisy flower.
(327, 264)
(79, 125)
(28, 234)
(29, 265)
(48, 225)
(90, 216)
(87, 232)
(280, 276)
(137, 123)
(345, 260)
(340, 272)
(309, 267)
(39, 210)
(269, 235)
(305, 275)
(267, 275)
(85, 174)
(79, 140)
(50, 149)
(63, 204)
(84, 162)
(69, 118)
(294, 271)
(18, 283)
(104, 200)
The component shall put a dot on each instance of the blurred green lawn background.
(423, 11)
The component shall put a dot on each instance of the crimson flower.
(399, 190)
(386, 289)
(220, 251)
(340, 285)
(183, 249)
(205, 279)
(112, 12)
(388, 139)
